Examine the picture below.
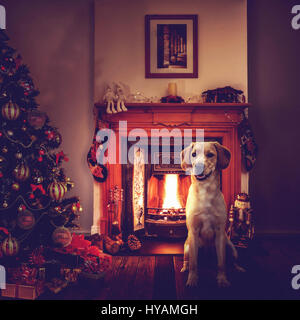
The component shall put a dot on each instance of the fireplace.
(155, 194)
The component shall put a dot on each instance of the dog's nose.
(198, 168)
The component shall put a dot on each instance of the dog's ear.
(185, 156)
(224, 156)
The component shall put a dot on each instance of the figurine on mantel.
(172, 95)
(223, 95)
(121, 98)
(109, 98)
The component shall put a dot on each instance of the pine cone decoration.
(133, 242)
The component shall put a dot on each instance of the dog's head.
(201, 159)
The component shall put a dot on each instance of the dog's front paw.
(184, 267)
(192, 280)
(222, 281)
(238, 268)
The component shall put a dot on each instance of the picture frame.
(171, 46)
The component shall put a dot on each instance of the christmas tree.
(33, 209)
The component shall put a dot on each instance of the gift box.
(30, 292)
(11, 291)
(70, 275)
(56, 285)
(19, 291)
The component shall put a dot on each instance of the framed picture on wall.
(171, 46)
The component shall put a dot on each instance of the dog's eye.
(210, 155)
(194, 154)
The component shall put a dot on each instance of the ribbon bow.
(35, 187)
(61, 155)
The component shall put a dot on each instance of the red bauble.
(57, 190)
(25, 220)
(62, 236)
(10, 246)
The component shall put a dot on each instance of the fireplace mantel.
(192, 113)
(219, 120)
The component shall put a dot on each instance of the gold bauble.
(15, 186)
(19, 155)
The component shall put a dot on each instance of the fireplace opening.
(166, 200)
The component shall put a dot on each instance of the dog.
(205, 207)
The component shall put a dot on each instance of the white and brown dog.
(205, 207)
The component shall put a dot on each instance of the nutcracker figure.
(240, 228)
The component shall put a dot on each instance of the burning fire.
(171, 197)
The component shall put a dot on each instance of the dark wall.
(274, 91)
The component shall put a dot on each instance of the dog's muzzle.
(202, 176)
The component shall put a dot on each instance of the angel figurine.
(120, 99)
(109, 98)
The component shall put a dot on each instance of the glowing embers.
(166, 198)
(171, 200)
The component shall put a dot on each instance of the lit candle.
(172, 89)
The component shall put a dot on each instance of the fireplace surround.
(219, 121)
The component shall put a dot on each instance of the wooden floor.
(268, 276)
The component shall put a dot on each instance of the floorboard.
(164, 279)
(268, 265)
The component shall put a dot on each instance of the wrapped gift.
(11, 290)
(30, 292)
(56, 285)
(70, 275)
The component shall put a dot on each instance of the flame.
(171, 198)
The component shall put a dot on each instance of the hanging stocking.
(248, 144)
(99, 171)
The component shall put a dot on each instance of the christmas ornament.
(19, 155)
(10, 246)
(10, 111)
(62, 236)
(8, 66)
(21, 208)
(15, 186)
(25, 220)
(21, 172)
(10, 133)
(27, 86)
(59, 156)
(57, 190)
(4, 204)
(37, 119)
(54, 138)
(3, 163)
(70, 183)
(38, 179)
(4, 149)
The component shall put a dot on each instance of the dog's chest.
(204, 200)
